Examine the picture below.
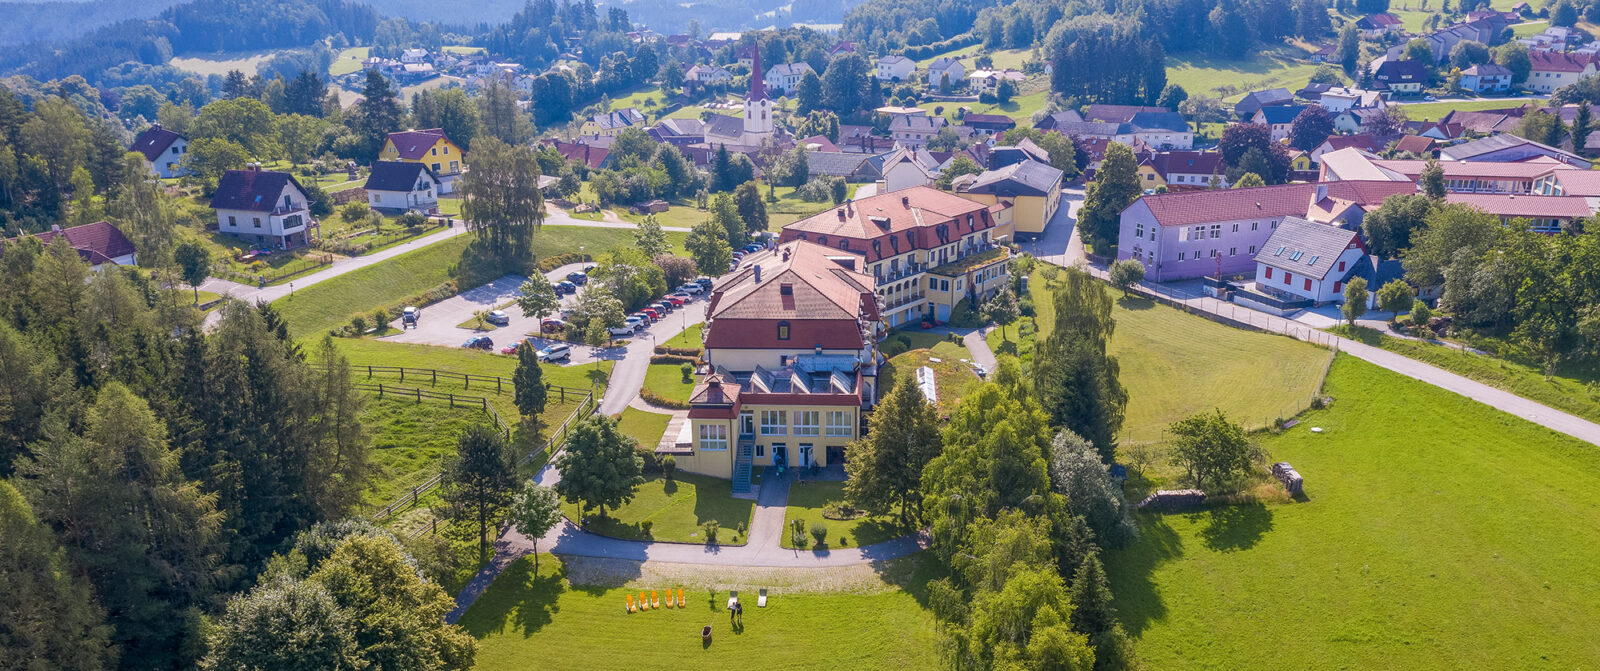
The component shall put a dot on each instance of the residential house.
(1340, 98)
(99, 244)
(1181, 170)
(852, 166)
(1507, 147)
(843, 47)
(1375, 26)
(895, 68)
(915, 131)
(1030, 189)
(1417, 145)
(1306, 261)
(163, 151)
(904, 168)
(1357, 119)
(1545, 214)
(1516, 177)
(1337, 142)
(397, 186)
(1253, 101)
(610, 123)
(927, 249)
(1055, 119)
(977, 152)
(988, 124)
(1324, 54)
(1486, 78)
(1401, 77)
(414, 56)
(701, 74)
(1552, 70)
(430, 147)
(1165, 130)
(593, 157)
(945, 72)
(1277, 119)
(985, 81)
(785, 77)
(1023, 150)
(1313, 91)
(817, 143)
(678, 132)
(1118, 113)
(791, 345)
(262, 206)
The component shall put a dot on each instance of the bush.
(819, 531)
(354, 211)
(797, 534)
(674, 358)
(660, 401)
(669, 465)
(687, 369)
(892, 349)
(550, 263)
(652, 465)
(710, 528)
(380, 318)
(679, 351)
(644, 527)
(963, 316)
(358, 324)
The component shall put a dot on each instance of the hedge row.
(661, 401)
(926, 50)
(675, 359)
(550, 263)
(680, 351)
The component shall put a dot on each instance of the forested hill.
(199, 26)
(56, 20)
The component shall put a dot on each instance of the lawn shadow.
(1130, 572)
(1365, 335)
(912, 574)
(1131, 302)
(1236, 527)
(534, 602)
(598, 377)
(1007, 347)
(669, 487)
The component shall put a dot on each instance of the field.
(221, 64)
(666, 380)
(1436, 533)
(806, 501)
(410, 442)
(689, 337)
(951, 376)
(526, 616)
(1174, 364)
(1231, 79)
(675, 510)
(1436, 111)
(348, 61)
(645, 427)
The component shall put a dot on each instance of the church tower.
(757, 107)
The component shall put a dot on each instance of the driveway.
(1059, 244)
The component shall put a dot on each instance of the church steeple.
(758, 88)
(757, 108)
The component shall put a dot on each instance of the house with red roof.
(99, 244)
(925, 248)
(1337, 142)
(163, 151)
(430, 147)
(791, 362)
(1552, 70)
(589, 155)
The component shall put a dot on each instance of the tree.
(1452, 232)
(885, 466)
(1115, 186)
(1542, 127)
(845, 83)
(1231, 29)
(339, 467)
(1514, 57)
(1078, 474)
(1002, 309)
(284, 624)
(378, 114)
(708, 246)
(752, 209)
(501, 202)
(52, 620)
(449, 109)
(1249, 147)
(194, 264)
(1432, 180)
(960, 165)
(208, 158)
(1355, 301)
(1468, 53)
(1094, 615)
(1172, 96)
(1327, 74)
(537, 297)
(1212, 449)
(478, 481)
(650, 239)
(600, 467)
(1581, 125)
(808, 95)
(1126, 273)
(1394, 298)
(677, 269)
(1074, 377)
(1349, 47)
(1420, 51)
(535, 511)
(1420, 313)
(1564, 14)
(1248, 180)
(1388, 229)
(529, 381)
(1311, 127)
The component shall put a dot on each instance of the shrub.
(644, 527)
(710, 528)
(669, 465)
(679, 351)
(892, 349)
(550, 263)
(354, 211)
(963, 316)
(380, 318)
(687, 369)
(797, 534)
(674, 358)
(819, 531)
(358, 324)
(660, 401)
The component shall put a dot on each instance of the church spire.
(758, 90)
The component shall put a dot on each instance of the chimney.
(905, 201)
(55, 228)
(786, 254)
(758, 274)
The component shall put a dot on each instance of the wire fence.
(434, 375)
(1229, 313)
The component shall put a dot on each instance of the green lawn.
(645, 427)
(1174, 364)
(410, 442)
(365, 351)
(1436, 111)
(666, 380)
(1568, 390)
(1436, 533)
(1020, 108)
(806, 501)
(1231, 79)
(951, 376)
(348, 61)
(527, 615)
(675, 509)
(1530, 28)
(690, 337)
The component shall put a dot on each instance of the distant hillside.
(54, 21)
(450, 13)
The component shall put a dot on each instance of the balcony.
(281, 210)
(901, 300)
(898, 274)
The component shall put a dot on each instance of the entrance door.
(780, 455)
(747, 424)
(806, 458)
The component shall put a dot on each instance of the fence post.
(563, 394)
(497, 387)
(419, 395)
(380, 391)
(402, 373)
(435, 376)
(452, 400)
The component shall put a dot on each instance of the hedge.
(661, 401)
(674, 358)
(680, 351)
(550, 263)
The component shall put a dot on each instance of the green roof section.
(960, 267)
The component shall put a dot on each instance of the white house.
(414, 56)
(163, 151)
(397, 186)
(946, 69)
(1305, 260)
(1553, 70)
(785, 77)
(895, 68)
(915, 131)
(1340, 98)
(99, 244)
(904, 168)
(262, 206)
(707, 74)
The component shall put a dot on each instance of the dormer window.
(783, 330)
(786, 289)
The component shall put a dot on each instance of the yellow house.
(791, 345)
(429, 147)
(1149, 178)
(1300, 160)
(1032, 188)
(608, 124)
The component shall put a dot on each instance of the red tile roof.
(153, 142)
(1508, 205)
(594, 157)
(1283, 200)
(99, 242)
(884, 222)
(1362, 142)
(414, 144)
(1550, 61)
(820, 299)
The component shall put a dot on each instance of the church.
(754, 128)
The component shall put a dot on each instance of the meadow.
(675, 510)
(1434, 533)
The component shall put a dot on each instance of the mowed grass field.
(675, 509)
(1436, 533)
(1231, 79)
(526, 616)
(1436, 111)
(1174, 364)
(807, 501)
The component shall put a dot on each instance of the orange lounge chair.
(668, 602)
(631, 607)
(644, 604)
(655, 600)
(681, 602)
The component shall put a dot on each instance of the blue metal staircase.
(742, 465)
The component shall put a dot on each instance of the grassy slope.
(410, 442)
(1436, 111)
(525, 616)
(348, 61)
(1438, 533)
(644, 426)
(951, 376)
(806, 501)
(676, 510)
(666, 379)
(690, 337)
(1174, 364)
(1202, 75)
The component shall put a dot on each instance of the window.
(1288, 277)
(1216, 230)
(714, 437)
(761, 450)
(377, 197)
(1138, 230)
(1235, 228)
(1336, 287)
(1213, 253)
(774, 423)
(257, 221)
(783, 330)
(233, 222)
(434, 151)
(1180, 256)
(1254, 224)
(1341, 266)
(1308, 284)
(1233, 251)
(807, 423)
(1269, 272)
(1252, 250)
(839, 423)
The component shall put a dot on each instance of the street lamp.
(291, 289)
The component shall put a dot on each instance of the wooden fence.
(433, 375)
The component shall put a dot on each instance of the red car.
(510, 349)
(652, 313)
(674, 300)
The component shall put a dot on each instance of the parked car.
(664, 306)
(674, 300)
(409, 316)
(497, 317)
(686, 296)
(705, 283)
(634, 323)
(565, 287)
(652, 313)
(556, 352)
(738, 254)
(512, 348)
(622, 331)
(552, 326)
(577, 278)
(753, 247)
(691, 288)
(479, 342)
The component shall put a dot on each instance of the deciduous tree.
(1355, 301)
(535, 511)
(600, 467)
(1115, 186)
(885, 466)
(1210, 448)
